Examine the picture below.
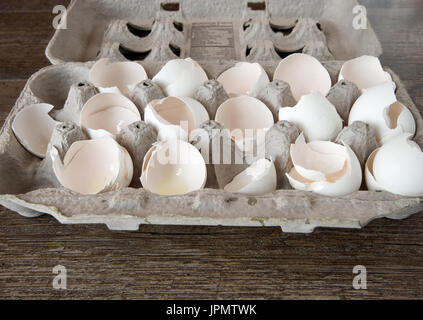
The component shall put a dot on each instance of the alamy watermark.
(360, 280)
(60, 21)
(360, 18)
(60, 280)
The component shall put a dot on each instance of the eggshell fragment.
(315, 116)
(107, 114)
(246, 118)
(259, 179)
(305, 74)
(175, 117)
(325, 168)
(173, 168)
(396, 167)
(365, 72)
(379, 108)
(244, 79)
(181, 77)
(117, 77)
(93, 166)
(33, 128)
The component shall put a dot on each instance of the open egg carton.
(217, 34)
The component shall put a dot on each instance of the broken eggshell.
(93, 166)
(315, 116)
(33, 128)
(107, 114)
(396, 167)
(365, 72)
(258, 179)
(173, 168)
(325, 168)
(245, 117)
(244, 79)
(379, 108)
(305, 74)
(117, 77)
(175, 117)
(181, 77)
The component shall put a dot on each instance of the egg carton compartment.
(251, 30)
(29, 186)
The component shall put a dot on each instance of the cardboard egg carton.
(252, 30)
(216, 33)
(29, 187)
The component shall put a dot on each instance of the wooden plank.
(31, 6)
(23, 39)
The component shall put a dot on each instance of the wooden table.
(206, 262)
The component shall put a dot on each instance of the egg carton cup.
(29, 187)
(251, 30)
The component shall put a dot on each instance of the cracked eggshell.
(175, 117)
(396, 167)
(244, 79)
(315, 116)
(245, 117)
(258, 179)
(378, 107)
(33, 128)
(325, 168)
(181, 77)
(93, 166)
(117, 77)
(365, 72)
(305, 74)
(173, 168)
(107, 114)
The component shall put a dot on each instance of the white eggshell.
(378, 107)
(330, 169)
(371, 182)
(243, 79)
(107, 114)
(175, 117)
(305, 74)
(398, 167)
(173, 168)
(94, 166)
(116, 77)
(365, 72)
(181, 77)
(259, 179)
(315, 116)
(245, 117)
(33, 128)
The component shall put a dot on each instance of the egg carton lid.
(127, 209)
(213, 29)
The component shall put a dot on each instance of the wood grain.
(206, 262)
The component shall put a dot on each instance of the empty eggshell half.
(258, 179)
(93, 166)
(33, 128)
(106, 114)
(396, 167)
(315, 116)
(325, 168)
(244, 79)
(181, 77)
(365, 72)
(304, 74)
(117, 77)
(245, 117)
(175, 117)
(173, 168)
(379, 108)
